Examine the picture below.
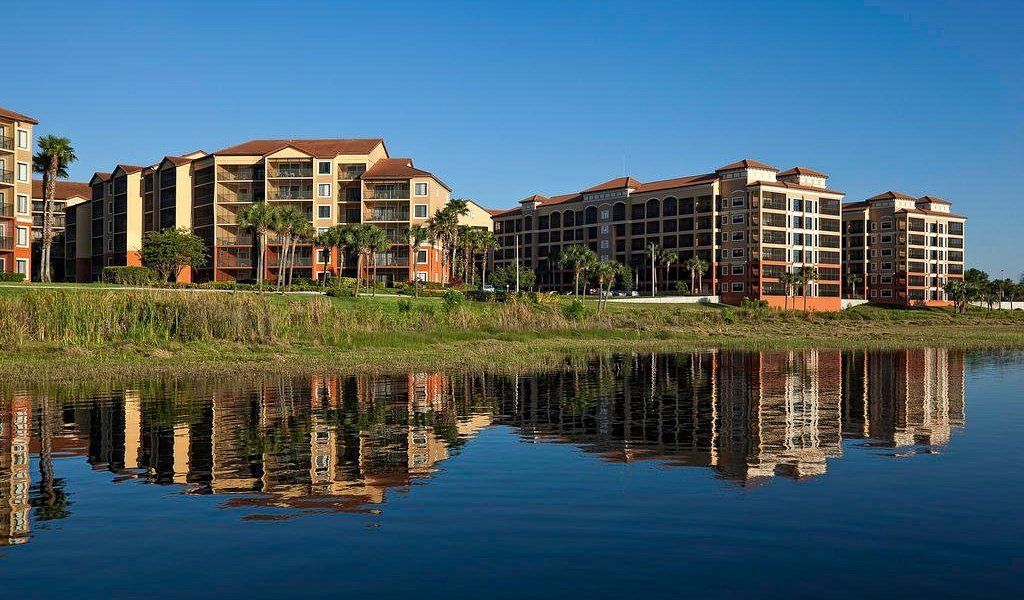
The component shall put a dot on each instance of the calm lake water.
(799, 474)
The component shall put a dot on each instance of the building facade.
(331, 181)
(748, 221)
(16, 140)
(66, 194)
(902, 250)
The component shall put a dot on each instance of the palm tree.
(789, 282)
(326, 240)
(853, 279)
(485, 242)
(606, 272)
(287, 220)
(667, 258)
(304, 233)
(52, 160)
(653, 252)
(259, 217)
(696, 266)
(444, 226)
(578, 258)
(379, 242)
(415, 235)
(342, 238)
(806, 275)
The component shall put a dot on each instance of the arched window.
(591, 215)
(619, 211)
(653, 208)
(669, 208)
(570, 218)
(637, 212)
(556, 219)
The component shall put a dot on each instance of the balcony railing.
(239, 240)
(6, 143)
(235, 198)
(387, 215)
(239, 175)
(6, 176)
(6, 210)
(354, 172)
(6, 243)
(774, 204)
(387, 193)
(291, 194)
(291, 172)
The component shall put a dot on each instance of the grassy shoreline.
(76, 335)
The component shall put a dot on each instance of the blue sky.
(506, 99)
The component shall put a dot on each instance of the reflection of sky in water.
(595, 499)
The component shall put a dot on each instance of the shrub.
(753, 304)
(404, 305)
(481, 296)
(129, 275)
(575, 310)
(341, 291)
(683, 288)
(453, 298)
(12, 276)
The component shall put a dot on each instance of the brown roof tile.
(795, 186)
(801, 171)
(614, 184)
(890, 195)
(321, 148)
(667, 184)
(129, 169)
(534, 198)
(10, 114)
(933, 200)
(398, 168)
(63, 190)
(921, 211)
(746, 163)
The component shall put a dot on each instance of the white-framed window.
(323, 211)
(421, 189)
(887, 266)
(22, 266)
(605, 214)
(874, 293)
(323, 190)
(604, 229)
(419, 210)
(23, 204)
(24, 139)
(323, 167)
(738, 252)
(22, 171)
(323, 256)
(604, 244)
(738, 201)
(887, 293)
(23, 236)
(110, 245)
(886, 239)
(737, 236)
(737, 286)
(737, 269)
(886, 252)
(738, 219)
(421, 257)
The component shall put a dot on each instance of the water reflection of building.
(341, 443)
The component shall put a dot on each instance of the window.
(323, 211)
(421, 257)
(22, 203)
(737, 269)
(323, 190)
(22, 171)
(604, 244)
(737, 236)
(421, 189)
(737, 286)
(604, 229)
(738, 201)
(22, 266)
(886, 279)
(23, 236)
(738, 219)
(323, 167)
(23, 139)
(737, 252)
(420, 211)
(886, 239)
(322, 256)
(604, 215)
(887, 293)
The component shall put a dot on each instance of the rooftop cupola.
(804, 176)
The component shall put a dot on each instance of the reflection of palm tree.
(51, 502)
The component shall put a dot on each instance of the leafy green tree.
(168, 252)
(527, 278)
(52, 160)
(960, 292)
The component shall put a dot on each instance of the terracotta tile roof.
(178, 160)
(398, 168)
(933, 200)
(321, 148)
(129, 169)
(677, 182)
(534, 198)
(746, 163)
(921, 211)
(801, 171)
(100, 176)
(562, 199)
(890, 195)
(614, 184)
(795, 186)
(10, 114)
(63, 190)
(855, 205)
(495, 211)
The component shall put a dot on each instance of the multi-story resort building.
(331, 181)
(66, 194)
(747, 220)
(16, 192)
(902, 250)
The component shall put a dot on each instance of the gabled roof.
(534, 198)
(891, 195)
(677, 182)
(801, 171)
(746, 163)
(10, 114)
(129, 169)
(398, 168)
(614, 184)
(99, 176)
(63, 189)
(796, 186)
(176, 160)
(320, 148)
(933, 200)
